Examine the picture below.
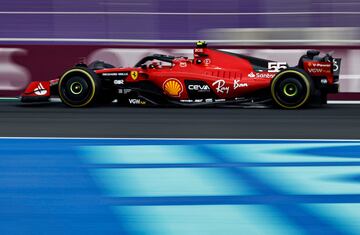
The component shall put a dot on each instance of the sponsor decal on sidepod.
(173, 87)
(261, 75)
(220, 86)
(238, 84)
(199, 88)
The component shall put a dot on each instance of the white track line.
(343, 102)
(329, 102)
(176, 13)
(105, 40)
(350, 77)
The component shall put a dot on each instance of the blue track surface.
(173, 187)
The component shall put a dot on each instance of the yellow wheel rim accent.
(292, 90)
(273, 89)
(76, 88)
(92, 83)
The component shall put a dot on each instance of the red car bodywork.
(227, 77)
(210, 76)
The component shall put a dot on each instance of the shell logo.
(173, 87)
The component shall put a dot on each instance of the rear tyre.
(291, 88)
(79, 87)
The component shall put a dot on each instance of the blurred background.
(184, 186)
(41, 38)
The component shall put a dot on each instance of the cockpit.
(155, 61)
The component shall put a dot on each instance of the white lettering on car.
(136, 101)
(199, 87)
(336, 65)
(207, 61)
(118, 82)
(220, 87)
(261, 75)
(238, 84)
(276, 67)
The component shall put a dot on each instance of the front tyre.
(79, 87)
(291, 88)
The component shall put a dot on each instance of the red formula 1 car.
(212, 77)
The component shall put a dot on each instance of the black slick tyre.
(291, 88)
(79, 87)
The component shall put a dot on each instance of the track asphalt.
(56, 120)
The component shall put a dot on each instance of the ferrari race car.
(211, 77)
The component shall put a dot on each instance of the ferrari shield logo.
(134, 74)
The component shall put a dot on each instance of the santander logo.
(251, 75)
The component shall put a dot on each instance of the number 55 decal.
(336, 63)
(275, 67)
(336, 67)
